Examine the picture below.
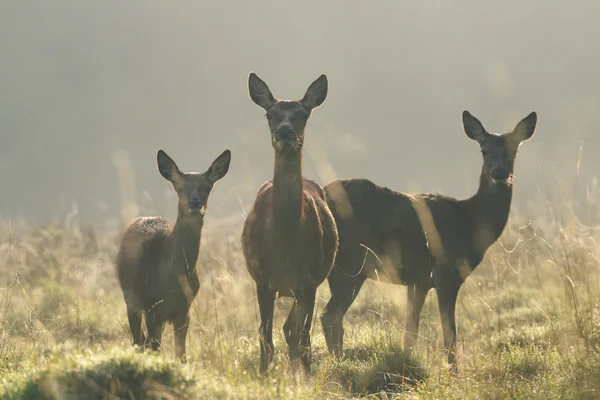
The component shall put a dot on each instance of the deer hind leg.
(135, 324)
(447, 286)
(266, 304)
(415, 299)
(297, 327)
(156, 325)
(180, 327)
(344, 289)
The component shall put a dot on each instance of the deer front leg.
(156, 325)
(447, 286)
(297, 327)
(344, 290)
(135, 324)
(266, 304)
(180, 326)
(415, 299)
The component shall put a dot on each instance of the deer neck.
(489, 209)
(287, 192)
(185, 245)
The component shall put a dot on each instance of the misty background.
(89, 91)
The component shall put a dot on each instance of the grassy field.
(528, 325)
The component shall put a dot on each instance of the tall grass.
(528, 320)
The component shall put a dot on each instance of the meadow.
(528, 322)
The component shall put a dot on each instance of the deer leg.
(344, 290)
(447, 291)
(266, 304)
(156, 325)
(297, 327)
(307, 302)
(180, 327)
(415, 299)
(135, 324)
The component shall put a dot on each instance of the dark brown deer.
(156, 262)
(422, 241)
(289, 238)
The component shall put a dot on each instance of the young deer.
(420, 240)
(289, 238)
(156, 263)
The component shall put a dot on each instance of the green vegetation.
(528, 322)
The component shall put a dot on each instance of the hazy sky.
(82, 83)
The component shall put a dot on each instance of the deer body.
(163, 277)
(279, 242)
(156, 262)
(422, 241)
(289, 238)
(393, 230)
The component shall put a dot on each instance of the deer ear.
(525, 128)
(167, 167)
(473, 127)
(259, 92)
(219, 167)
(316, 93)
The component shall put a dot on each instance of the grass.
(528, 321)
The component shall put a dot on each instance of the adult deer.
(289, 238)
(422, 241)
(156, 262)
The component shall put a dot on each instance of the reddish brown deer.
(422, 241)
(289, 238)
(156, 262)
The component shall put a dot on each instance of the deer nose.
(194, 204)
(285, 132)
(500, 174)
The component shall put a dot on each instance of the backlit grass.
(528, 321)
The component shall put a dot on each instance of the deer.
(423, 240)
(156, 262)
(289, 238)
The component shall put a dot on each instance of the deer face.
(193, 188)
(499, 150)
(287, 118)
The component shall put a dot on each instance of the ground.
(528, 325)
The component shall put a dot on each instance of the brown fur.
(421, 240)
(290, 237)
(156, 262)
